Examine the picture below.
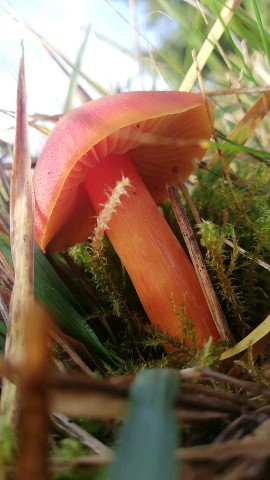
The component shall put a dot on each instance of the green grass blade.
(261, 30)
(246, 27)
(233, 148)
(3, 328)
(148, 439)
(46, 274)
(52, 292)
(74, 76)
(236, 50)
(3, 331)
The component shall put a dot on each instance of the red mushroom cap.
(158, 130)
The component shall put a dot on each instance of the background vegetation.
(102, 337)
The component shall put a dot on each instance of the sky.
(63, 23)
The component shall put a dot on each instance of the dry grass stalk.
(259, 335)
(104, 399)
(64, 424)
(209, 44)
(108, 398)
(220, 92)
(21, 213)
(33, 417)
(245, 128)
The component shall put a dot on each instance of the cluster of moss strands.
(105, 275)
(238, 211)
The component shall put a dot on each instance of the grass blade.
(251, 339)
(243, 130)
(264, 39)
(53, 293)
(22, 245)
(149, 436)
(210, 42)
(73, 84)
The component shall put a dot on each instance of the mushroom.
(143, 136)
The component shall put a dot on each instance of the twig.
(205, 373)
(198, 263)
(64, 424)
(71, 352)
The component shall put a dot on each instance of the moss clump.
(236, 236)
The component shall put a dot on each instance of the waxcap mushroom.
(143, 137)
(159, 130)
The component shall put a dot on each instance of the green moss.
(237, 211)
(8, 442)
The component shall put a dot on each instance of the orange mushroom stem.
(155, 261)
(143, 136)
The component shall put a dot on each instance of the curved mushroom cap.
(159, 130)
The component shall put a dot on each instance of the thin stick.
(198, 263)
(71, 352)
(191, 205)
(65, 424)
